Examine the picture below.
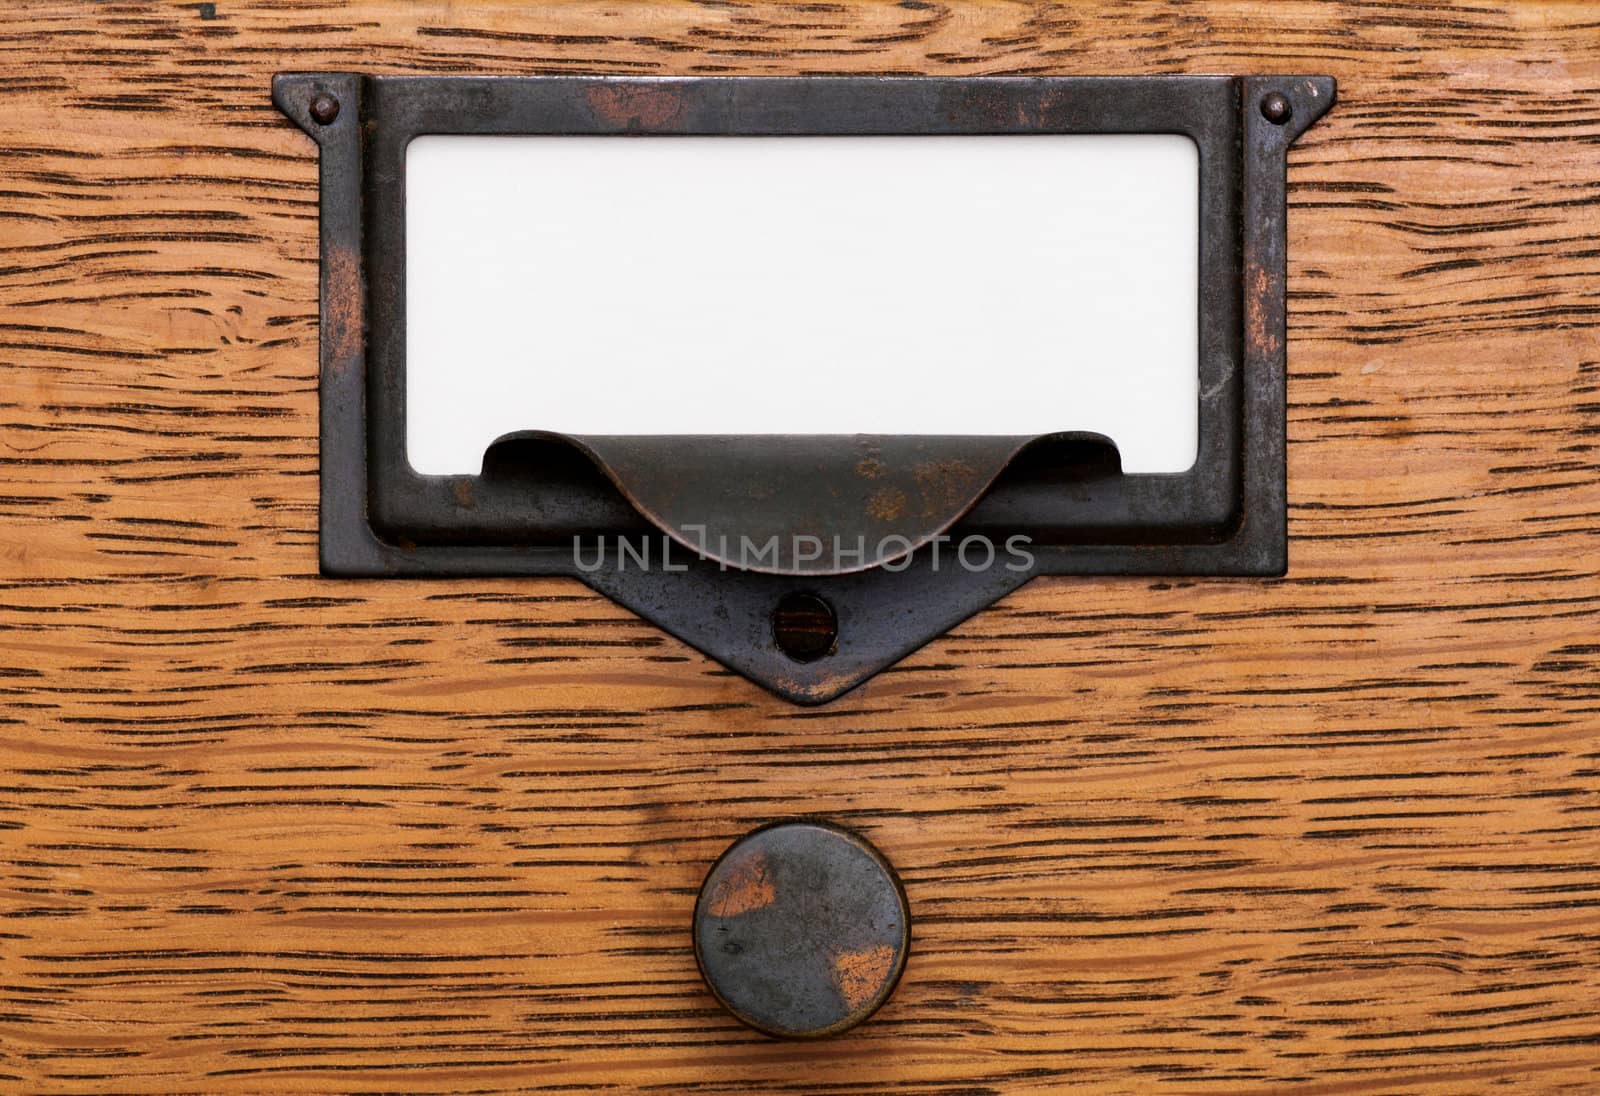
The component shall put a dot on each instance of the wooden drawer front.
(265, 831)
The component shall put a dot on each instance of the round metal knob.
(801, 929)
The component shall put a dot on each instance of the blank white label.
(802, 285)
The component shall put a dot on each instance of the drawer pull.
(801, 930)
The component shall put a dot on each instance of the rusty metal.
(801, 930)
(901, 499)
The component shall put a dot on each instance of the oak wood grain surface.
(264, 831)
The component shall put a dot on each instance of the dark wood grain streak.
(262, 831)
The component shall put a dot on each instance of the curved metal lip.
(803, 504)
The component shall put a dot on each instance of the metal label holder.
(807, 628)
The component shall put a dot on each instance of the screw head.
(324, 109)
(801, 930)
(804, 627)
(1275, 108)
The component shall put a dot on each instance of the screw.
(804, 627)
(1275, 108)
(324, 109)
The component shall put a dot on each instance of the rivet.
(324, 109)
(1275, 108)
